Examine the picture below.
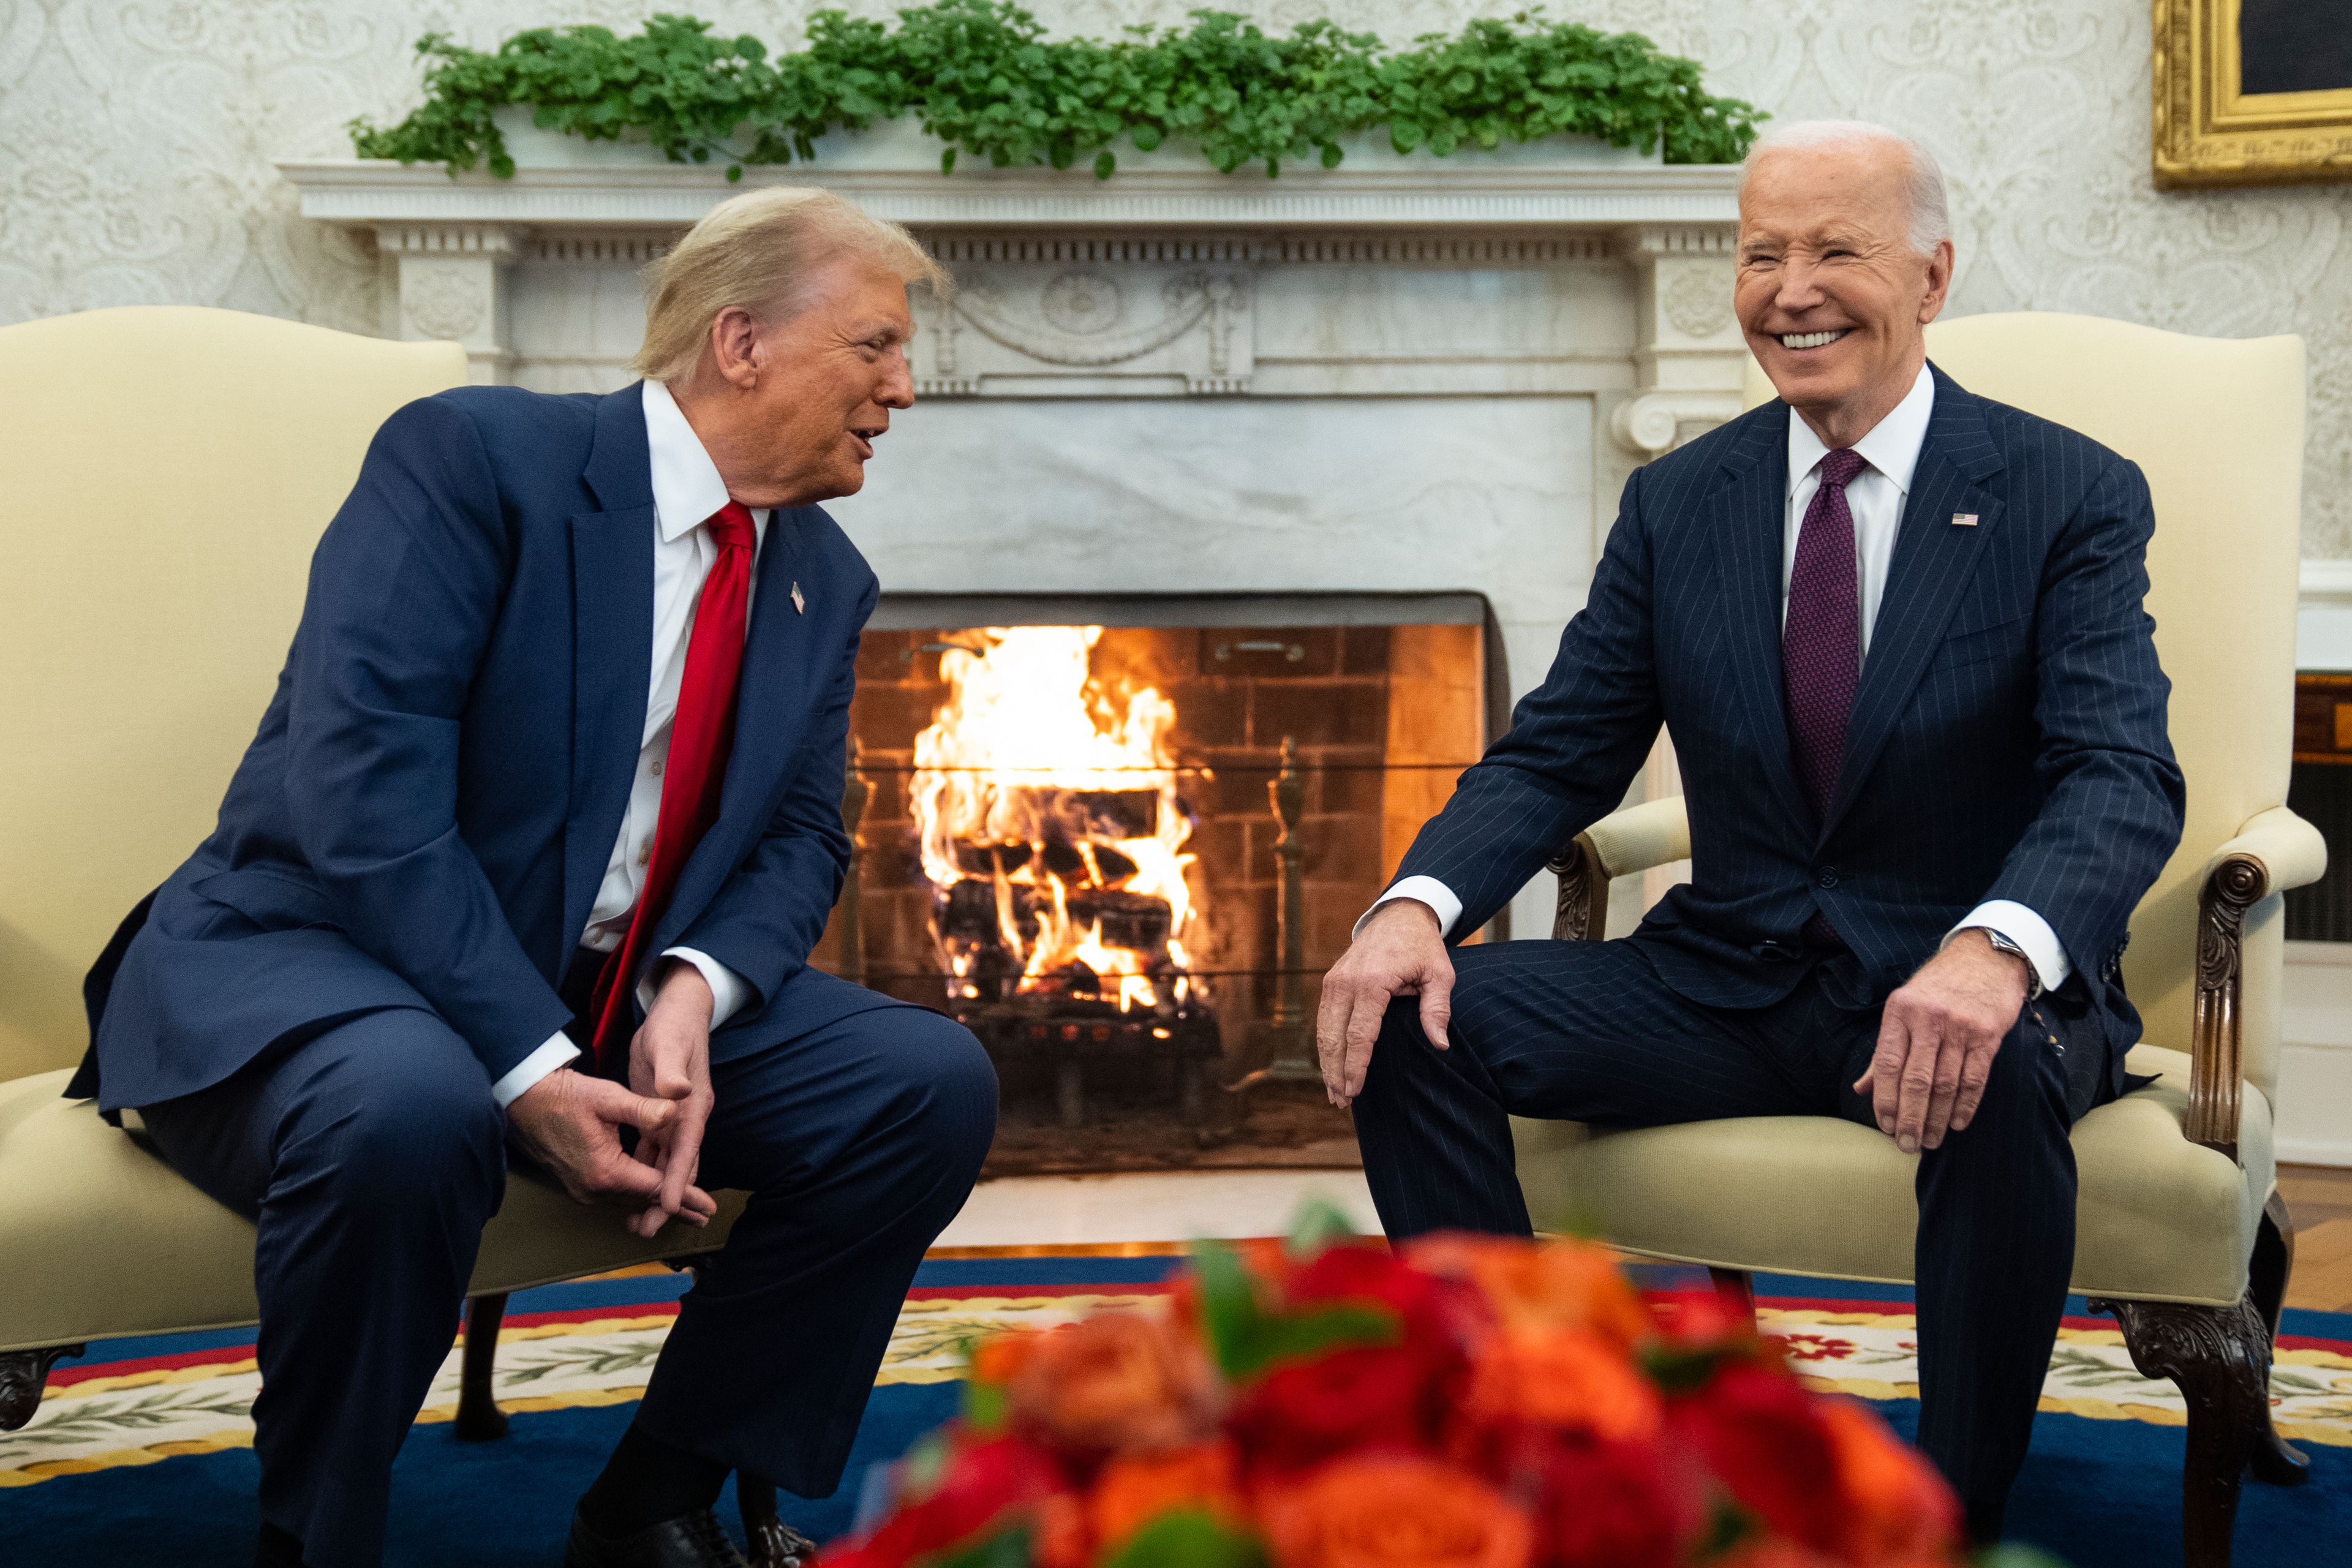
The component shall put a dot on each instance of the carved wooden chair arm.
(1638, 838)
(2274, 851)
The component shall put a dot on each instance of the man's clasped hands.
(571, 1122)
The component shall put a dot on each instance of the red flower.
(1764, 1437)
(1619, 1505)
(979, 1485)
(1305, 1410)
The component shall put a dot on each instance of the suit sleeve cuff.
(1421, 889)
(559, 1052)
(727, 988)
(2029, 930)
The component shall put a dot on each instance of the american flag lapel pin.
(1960, 520)
(799, 605)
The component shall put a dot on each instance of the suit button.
(1827, 877)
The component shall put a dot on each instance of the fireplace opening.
(1120, 837)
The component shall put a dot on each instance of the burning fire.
(1050, 828)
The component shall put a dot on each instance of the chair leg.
(1737, 1289)
(480, 1419)
(2276, 1461)
(2220, 1358)
(768, 1540)
(23, 1375)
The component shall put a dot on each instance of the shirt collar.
(687, 486)
(1891, 447)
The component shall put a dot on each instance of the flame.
(1031, 760)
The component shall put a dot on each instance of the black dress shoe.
(689, 1541)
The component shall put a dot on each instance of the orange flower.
(1395, 1511)
(1900, 1512)
(999, 1358)
(1560, 1284)
(1133, 1489)
(1567, 1378)
(1118, 1383)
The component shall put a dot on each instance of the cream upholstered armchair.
(169, 471)
(2180, 1234)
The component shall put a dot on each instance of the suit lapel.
(1934, 561)
(1751, 521)
(612, 646)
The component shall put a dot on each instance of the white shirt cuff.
(1422, 890)
(2029, 930)
(727, 988)
(559, 1052)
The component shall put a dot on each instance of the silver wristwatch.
(2002, 944)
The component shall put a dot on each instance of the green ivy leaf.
(1246, 1340)
(2015, 1554)
(1005, 1549)
(1105, 163)
(984, 78)
(1188, 1538)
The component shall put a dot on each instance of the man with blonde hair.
(532, 847)
(1897, 632)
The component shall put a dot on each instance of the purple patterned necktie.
(1820, 640)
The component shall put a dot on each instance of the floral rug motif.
(146, 1402)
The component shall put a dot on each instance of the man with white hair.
(1897, 633)
(533, 844)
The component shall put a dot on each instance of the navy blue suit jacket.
(437, 784)
(2007, 738)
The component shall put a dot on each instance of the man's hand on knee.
(1937, 1038)
(1400, 952)
(571, 1122)
(669, 1059)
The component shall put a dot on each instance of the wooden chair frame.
(2219, 1357)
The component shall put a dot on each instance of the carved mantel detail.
(452, 285)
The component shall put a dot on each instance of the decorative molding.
(1651, 424)
(2326, 583)
(630, 248)
(672, 196)
(1696, 302)
(474, 241)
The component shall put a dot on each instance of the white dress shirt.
(687, 491)
(1890, 452)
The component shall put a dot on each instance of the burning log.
(1054, 837)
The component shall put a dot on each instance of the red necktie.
(701, 734)
(1820, 642)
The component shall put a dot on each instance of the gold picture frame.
(2207, 131)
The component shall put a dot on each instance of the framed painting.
(2252, 91)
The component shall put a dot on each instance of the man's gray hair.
(757, 251)
(1931, 220)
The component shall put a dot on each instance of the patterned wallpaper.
(136, 138)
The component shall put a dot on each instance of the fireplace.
(1077, 819)
(1321, 451)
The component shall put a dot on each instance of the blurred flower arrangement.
(1463, 1402)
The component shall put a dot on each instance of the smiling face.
(790, 409)
(1831, 296)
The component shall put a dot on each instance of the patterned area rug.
(141, 1452)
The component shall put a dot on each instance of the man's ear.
(1939, 282)
(737, 348)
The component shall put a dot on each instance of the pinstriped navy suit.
(2006, 741)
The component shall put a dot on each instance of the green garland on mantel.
(988, 82)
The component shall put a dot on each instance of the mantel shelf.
(1464, 191)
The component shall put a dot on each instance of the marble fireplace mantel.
(1400, 375)
(1665, 232)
